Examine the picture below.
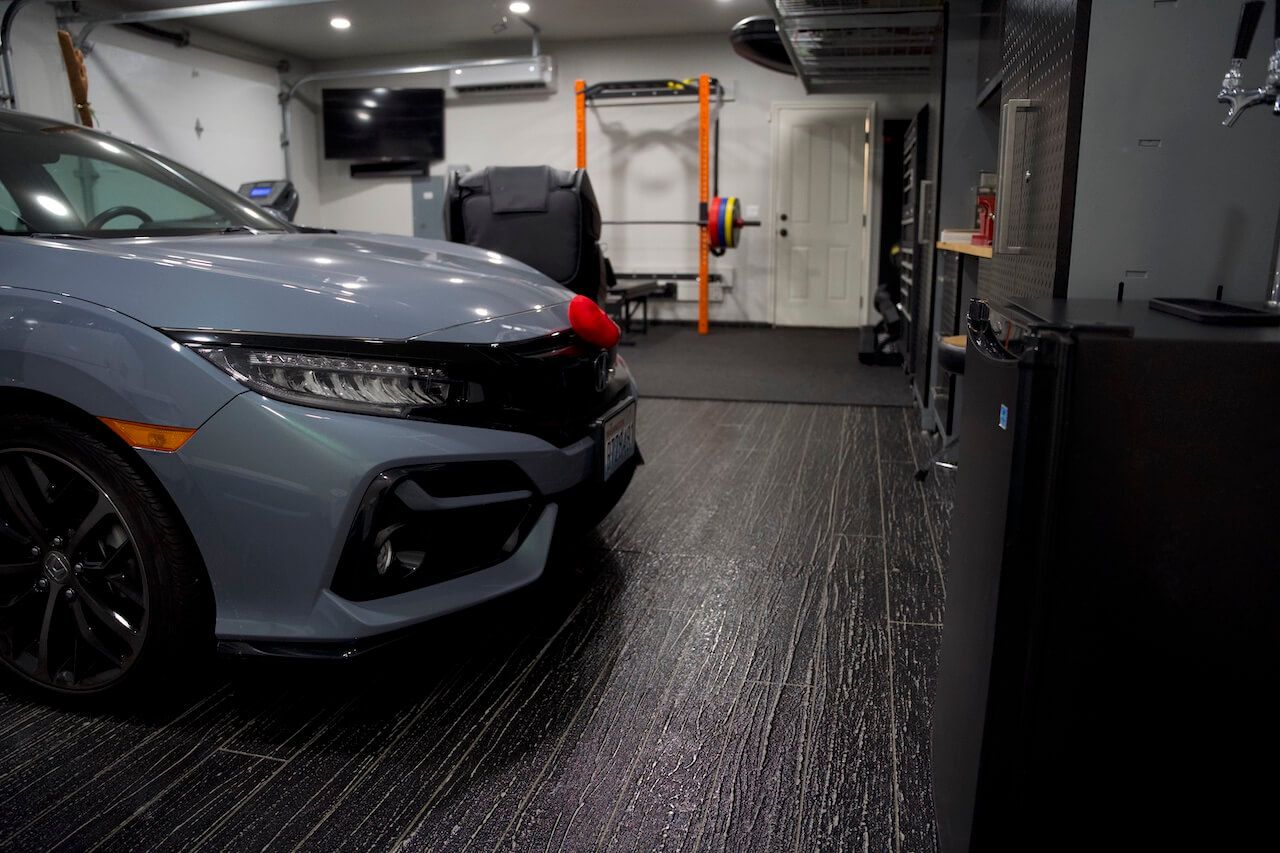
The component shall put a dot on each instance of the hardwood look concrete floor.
(740, 658)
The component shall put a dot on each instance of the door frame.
(870, 189)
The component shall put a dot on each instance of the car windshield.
(63, 180)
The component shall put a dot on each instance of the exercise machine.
(278, 196)
(720, 221)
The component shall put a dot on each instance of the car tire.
(102, 591)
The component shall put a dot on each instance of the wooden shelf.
(966, 249)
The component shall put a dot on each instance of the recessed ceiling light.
(340, 23)
(519, 8)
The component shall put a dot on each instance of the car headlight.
(335, 382)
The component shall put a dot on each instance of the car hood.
(334, 285)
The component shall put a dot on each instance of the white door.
(821, 202)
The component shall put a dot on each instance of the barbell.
(724, 222)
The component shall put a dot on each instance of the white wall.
(150, 92)
(642, 157)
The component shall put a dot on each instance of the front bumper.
(270, 492)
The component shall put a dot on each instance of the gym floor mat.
(769, 365)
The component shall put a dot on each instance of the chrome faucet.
(1236, 96)
(1239, 98)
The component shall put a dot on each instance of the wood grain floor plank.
(172, 820)
(711, 658)
(915, 570)
(19, 714)
(766, 483)
(896, 428)
(848, 751)
(729, 659)
(428, 795)
(280, 734)
(413, 711)
(95, 791)
(43, 735)
(571, 713)
(283, 812)
(40, 781)
(939, 514)
(644, 663)
(915, 665)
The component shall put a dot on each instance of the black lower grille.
(427, 524)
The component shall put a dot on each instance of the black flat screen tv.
(384, 124)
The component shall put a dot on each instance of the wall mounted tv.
(384, 124)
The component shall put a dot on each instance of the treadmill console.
(279, 196)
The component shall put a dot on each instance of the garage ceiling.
(381, 27)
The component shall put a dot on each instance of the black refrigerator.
(1111, 644)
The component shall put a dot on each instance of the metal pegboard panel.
(1043, 60)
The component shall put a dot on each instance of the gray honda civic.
(216, 426)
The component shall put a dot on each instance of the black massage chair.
(547, 218)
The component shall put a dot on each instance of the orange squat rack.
(668, 87)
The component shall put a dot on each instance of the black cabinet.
(916, 302)
(1110, 645)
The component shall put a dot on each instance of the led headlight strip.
(335, 382)
(435, 380)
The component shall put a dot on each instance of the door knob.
(783, 232)
(784, 217)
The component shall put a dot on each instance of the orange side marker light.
(149, 436)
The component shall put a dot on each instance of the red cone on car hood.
(591, 323)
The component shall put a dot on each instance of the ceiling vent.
(535, 74)
(858, 46)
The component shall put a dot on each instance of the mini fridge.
(1111, 642)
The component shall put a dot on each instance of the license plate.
(619, 439)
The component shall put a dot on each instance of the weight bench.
(622, 300)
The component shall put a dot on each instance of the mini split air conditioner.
(535, 74)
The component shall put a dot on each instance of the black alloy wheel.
(101, 587)
(73, 595)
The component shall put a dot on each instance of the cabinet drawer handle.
(1005, 172)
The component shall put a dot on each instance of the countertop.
(1144, 322)
(965, 249)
